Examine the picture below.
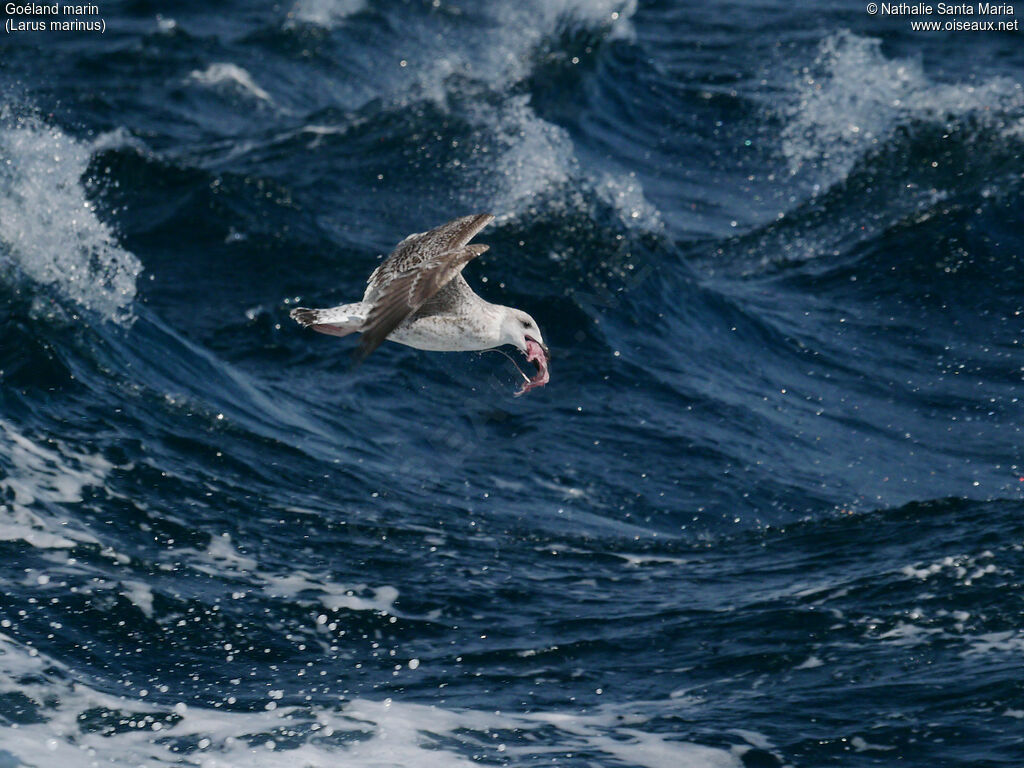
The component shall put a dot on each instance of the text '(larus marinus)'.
(418, 297)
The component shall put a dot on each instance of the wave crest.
(49, 230)
(852, 98)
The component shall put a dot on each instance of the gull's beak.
(542, 345)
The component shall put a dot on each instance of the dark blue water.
(768, 512)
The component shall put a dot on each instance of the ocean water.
(768, 512)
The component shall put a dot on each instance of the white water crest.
(515, 161)
(49, 228)
(852, 98)
(226, 74)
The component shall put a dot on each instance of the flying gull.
(418, 297)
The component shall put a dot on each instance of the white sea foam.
(916, 626)
(625, 194)
(304, 587)
(297, 586)
(220, 558)
(522, 23)
(49, 230)
(76, 724)
(140, 594)
(165, 25)
(907, 633)
(517, 157)
(522, 163)
(502, 51)
(324, 13)
(1008, 641)
(966, 569)
(655, 750)
(119, 138)
(521, 29)
(225, 74)
(527, 161)
(852, 98)
(861, 745)
(811, 662)
(33, 477)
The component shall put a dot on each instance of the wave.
(530, 21)
(525, 167)
(875, 148)
(511, 160)
(49, 228)
(64, 716)
(852, 99)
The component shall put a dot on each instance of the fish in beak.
(540, 355)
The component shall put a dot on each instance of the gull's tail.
(336, 321)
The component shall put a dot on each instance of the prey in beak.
(538, 354)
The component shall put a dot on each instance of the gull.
(418, 297)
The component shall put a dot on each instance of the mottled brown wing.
(422, 247)
(408, 291)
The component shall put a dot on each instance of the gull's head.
(521, 331)
(518, 329)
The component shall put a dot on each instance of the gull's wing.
(452, 295)
(422, 247)
(418, 268)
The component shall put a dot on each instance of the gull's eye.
(525, 324)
